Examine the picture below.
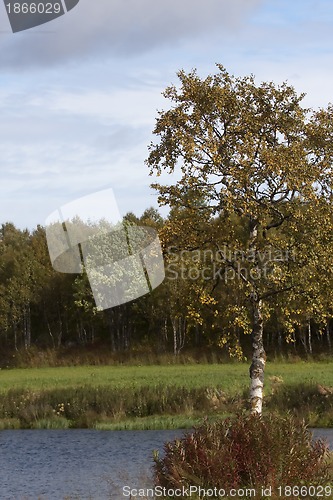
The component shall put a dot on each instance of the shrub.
(84, 406)
(310, 401)
(302, 398)
(244, 452)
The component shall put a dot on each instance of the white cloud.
(137, 107)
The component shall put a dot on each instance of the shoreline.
(154, 422)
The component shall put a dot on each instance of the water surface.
(81, 464)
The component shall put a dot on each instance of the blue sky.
(79, 96)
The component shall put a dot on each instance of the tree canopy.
(250, 156)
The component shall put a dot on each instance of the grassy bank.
(230, 377)
(153, 397)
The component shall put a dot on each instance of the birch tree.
(261, 161)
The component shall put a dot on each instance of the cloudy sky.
(79, 95)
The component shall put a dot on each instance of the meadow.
(158, 396)
(230, 377)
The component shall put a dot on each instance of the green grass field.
(232, 378)
(158, 396)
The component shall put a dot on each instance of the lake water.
(81, 464)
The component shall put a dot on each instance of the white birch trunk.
(257, 367)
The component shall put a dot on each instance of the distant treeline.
(199, 304)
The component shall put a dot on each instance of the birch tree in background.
(261, 161)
